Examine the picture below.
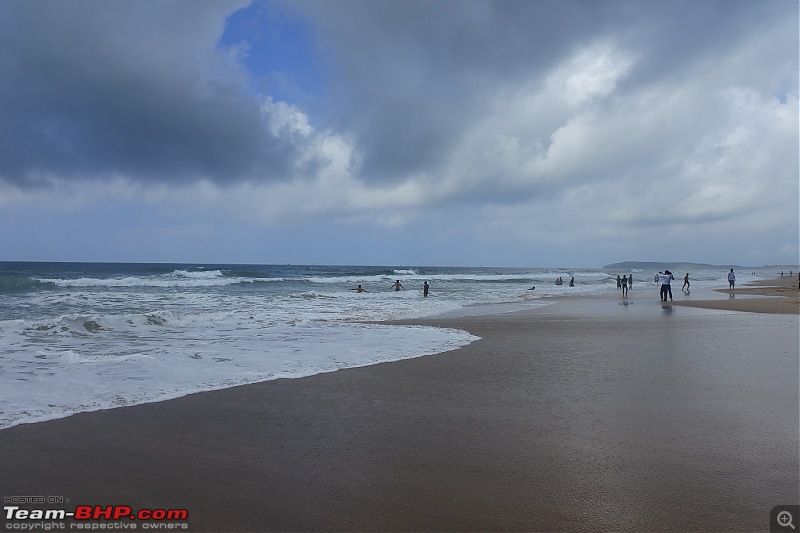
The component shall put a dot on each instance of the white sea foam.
(197, 274)
(50, 382)
(178, 278)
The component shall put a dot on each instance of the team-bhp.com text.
(87, 516)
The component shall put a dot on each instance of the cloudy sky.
(430, 132)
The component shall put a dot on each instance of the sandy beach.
(780, 295)
(584, 415)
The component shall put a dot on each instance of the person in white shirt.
(666, 288)
(731, 280)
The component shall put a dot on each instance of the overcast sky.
(431, 132)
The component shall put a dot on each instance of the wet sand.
(585, 415)
(779, 296)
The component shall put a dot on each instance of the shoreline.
(587, 414)
(773, 296)
(770, 296)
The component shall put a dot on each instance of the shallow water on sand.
(647, 419)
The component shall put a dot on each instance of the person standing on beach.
(624, 286)
(425, 288)
(630, 281)
(619, 282)
(686, 282)
(669, 283)
(397, 286)
(731, 280)
(665, 279)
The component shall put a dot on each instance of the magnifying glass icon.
(785, 519)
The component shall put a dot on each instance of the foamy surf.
(83, 337)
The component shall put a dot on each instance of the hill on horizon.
(679, 265)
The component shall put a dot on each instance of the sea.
(77, 337)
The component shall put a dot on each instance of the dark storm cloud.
(96, 89)
(417, 73)
(91, 89)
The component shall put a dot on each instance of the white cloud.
(590, 74)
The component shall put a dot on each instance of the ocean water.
(78, 337)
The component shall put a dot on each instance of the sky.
(417, 132)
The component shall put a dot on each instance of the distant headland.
(680, 266)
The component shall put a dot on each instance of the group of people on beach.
(397, 287)
(624, 283)
(666, 277)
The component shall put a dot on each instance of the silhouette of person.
(425, 288)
